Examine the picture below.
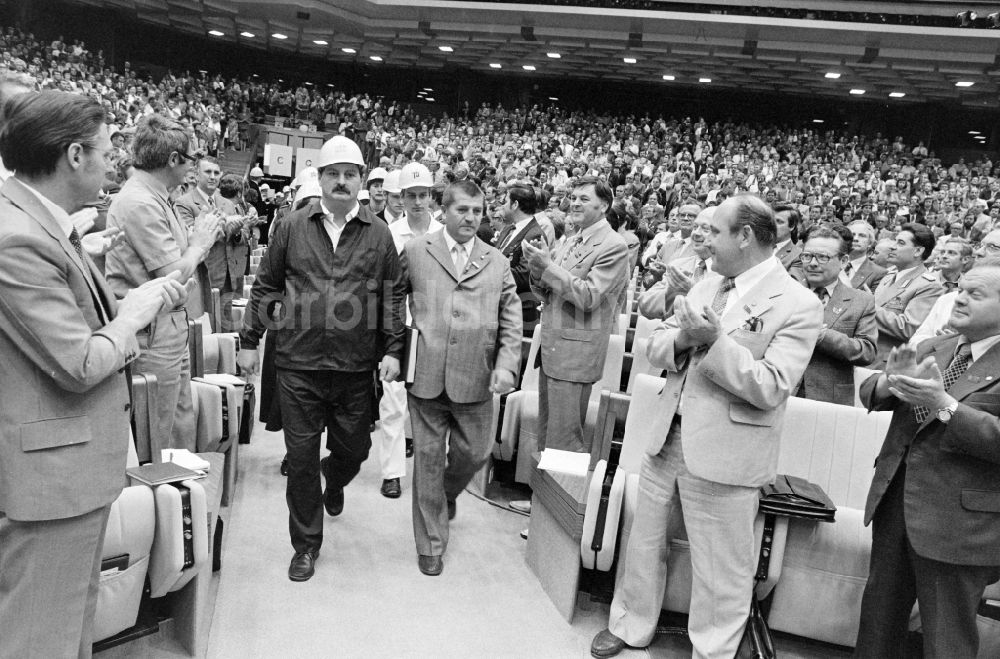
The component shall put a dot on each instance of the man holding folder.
(464, 304)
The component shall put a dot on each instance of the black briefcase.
(790, 496)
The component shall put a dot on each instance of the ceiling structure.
(749, 53)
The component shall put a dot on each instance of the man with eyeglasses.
(157, 243)
(658, 301)
(679, 247)
(849, 333)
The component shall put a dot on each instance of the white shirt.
(518, 228)
(746, 280)
(980, 347)
(331, 227)
(403, 233)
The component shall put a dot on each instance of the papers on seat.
(564, 462)
(184, 458)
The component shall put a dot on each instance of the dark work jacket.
(342, 310)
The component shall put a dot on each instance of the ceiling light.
(496, 65)
(817, 121)
(628, 60)
(349, 51)
(669, 77)
(553, 55)
(375, 58)
(528, 67)
(248, 35)
(553, 98)
(428, 89)
(897, 94)
(429, 99)
(279, 35)
(964, 83)
(832, 75)
(216, 33)
(446, 49)
(705, 80)
(320, 42)
(973, 132)
(857, 92)
(421, 93)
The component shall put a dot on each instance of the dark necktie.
(505, 236)
(848, 269)
(822, 295)
(950, 376)
(950, 285)
(722, 295)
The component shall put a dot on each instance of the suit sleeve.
(393, 301)
(973, 432)
(859, 349)
(767, 382)
(658, 301)
(186, 212)
(40, 313)
(660, 350)
(509, 329)
(904, 324)
(602, 283)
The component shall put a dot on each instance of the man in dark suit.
(934, 502)
(580, 288)
(849, 334)
(64, 395)
(227, 260)
(463, 301)
(861, 271)
(787, 249)
(519, 226)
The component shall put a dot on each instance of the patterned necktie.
(951, 375)
(722, 295)
(571, 248)
(699, 270)
(74, 240)
(822, 295)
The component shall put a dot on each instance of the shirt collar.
(980, 347)
(152, 183)
(204, 197)
(519, 225)
(61, 216)
(780, 246)
(900, 274)
(585, 234)
(451, 243)
(746, 280)
(351, 214)
(857, 263)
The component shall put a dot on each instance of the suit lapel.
(838, 303)
(585, 248)
(29, 203)
(982, 373)
(478, 258)
(755, 303)
(438, 248)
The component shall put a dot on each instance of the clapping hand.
(917, 384)
(102, 242)
(679, 280)
(537, 255)
(698, 328)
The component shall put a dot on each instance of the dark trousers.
(948, 594)
(451, 442)
(310, 402)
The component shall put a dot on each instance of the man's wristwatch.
(945, 413)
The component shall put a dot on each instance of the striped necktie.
(722, 295)
(955, 370)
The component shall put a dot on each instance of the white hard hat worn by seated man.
(415, 175)
(340, 150)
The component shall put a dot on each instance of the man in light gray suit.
(64, 394)
(733, 351)
(465, 306)
(579, 288)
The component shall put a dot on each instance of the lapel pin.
(837, 309)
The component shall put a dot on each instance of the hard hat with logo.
(377, 174)
(340, 150)
(415, 175)
(392, 182)
(256, 172)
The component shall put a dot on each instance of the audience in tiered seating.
(881, 233)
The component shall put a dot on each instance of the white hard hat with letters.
(415, 175)
(340, 150)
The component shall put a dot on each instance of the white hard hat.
(265, 186)
(340, 150)
(415, 175)
(363, 195)
(307, 174)
(256, 171)
(377, 174)
(391, 182)
(308, 189)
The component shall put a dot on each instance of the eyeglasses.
(990, 247)
(186, 156)
(822, 259)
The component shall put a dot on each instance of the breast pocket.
(755, 342)
(54, 433)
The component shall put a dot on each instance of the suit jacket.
(789, 257)
(869, 274)
(64, 397)
(228, 255)
(675, 249)
(469, 322)
(951, 495)
(519, 268)
(580, 296)
(735, 392)
(901, 305)
(848, 341)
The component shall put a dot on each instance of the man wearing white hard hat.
(376, 194)
(393, 197)
(335, 270)
(415, 183)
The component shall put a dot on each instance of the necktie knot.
(822, 294)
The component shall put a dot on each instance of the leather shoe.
(430, 565)
(390, 488)
(606, 644)
(452, 509)
(303, 565)
(333, 498)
